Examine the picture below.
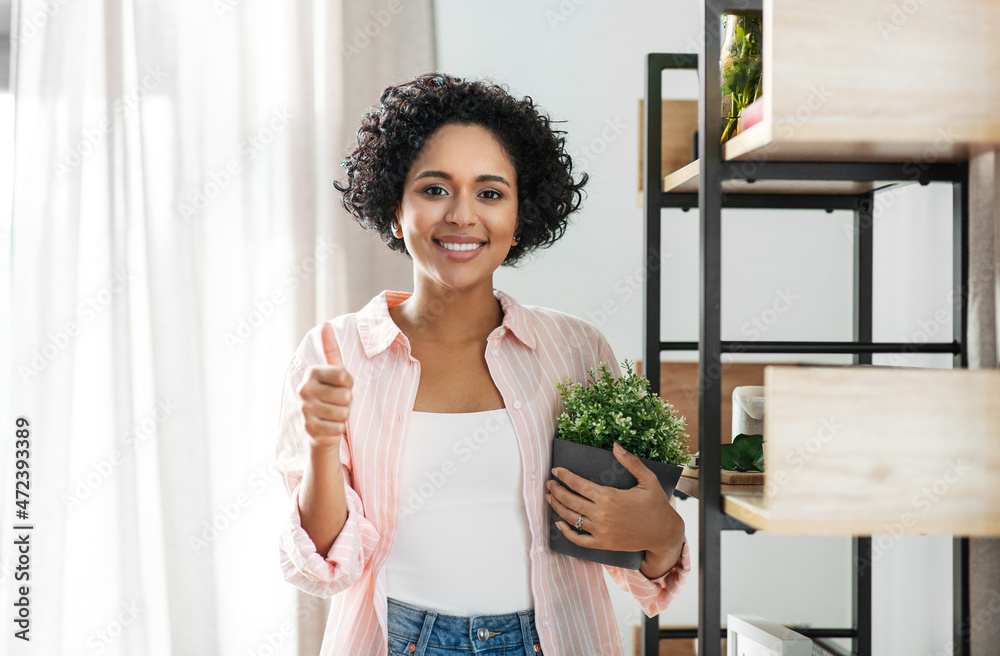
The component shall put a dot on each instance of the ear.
(397, 231)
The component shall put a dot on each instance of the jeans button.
(483, 633)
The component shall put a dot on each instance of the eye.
(491, 194)
(435, 190)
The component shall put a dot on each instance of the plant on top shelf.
(622, 410)
(742, 65)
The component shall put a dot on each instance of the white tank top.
(463, 542)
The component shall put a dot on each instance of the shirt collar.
(377, 329)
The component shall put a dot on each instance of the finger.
(331, 375)
(330, 386)
(570, 499)
(319, 428)
(563, 510)
(583, 487)
(581, 539)
(331, 350)
(326, 411)
(631, 462)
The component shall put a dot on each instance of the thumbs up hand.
(326, 396)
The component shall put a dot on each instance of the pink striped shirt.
(532, 350)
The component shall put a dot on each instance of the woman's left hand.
(637, 519)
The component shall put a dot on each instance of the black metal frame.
(710, 200)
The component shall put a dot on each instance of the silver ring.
(579, 523)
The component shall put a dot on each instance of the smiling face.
(458, 214)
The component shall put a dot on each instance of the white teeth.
(459, 247)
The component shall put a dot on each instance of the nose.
(463, 212)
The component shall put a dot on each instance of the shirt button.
(502, 332)
(495, 352)
(517, 405)
(545, 622)
(539, 548)
(532, 475)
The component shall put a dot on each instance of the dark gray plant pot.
(600, 466)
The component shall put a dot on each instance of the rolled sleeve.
(654, 595)
(324, 576)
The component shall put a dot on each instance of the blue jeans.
(417, 632)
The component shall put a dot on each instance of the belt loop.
(529, 643)
(425, 633)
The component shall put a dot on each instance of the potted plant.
(742, 67)
(594, 417)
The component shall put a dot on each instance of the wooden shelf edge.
(685, 181)
(753, 511)
(747, 504)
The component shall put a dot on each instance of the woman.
(415, 433)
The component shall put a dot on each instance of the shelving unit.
(832, 165)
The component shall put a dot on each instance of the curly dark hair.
(391, 136)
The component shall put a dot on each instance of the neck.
(448, 317)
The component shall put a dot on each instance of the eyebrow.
(447, 176)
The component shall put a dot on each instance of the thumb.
(631, 462)
(330, 347)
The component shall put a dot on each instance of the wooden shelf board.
(752, 509)
(848, 144)
(685, 181)
(747, 503)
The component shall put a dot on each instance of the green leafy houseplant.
(745, 454)
(594, 417)
(612, 409)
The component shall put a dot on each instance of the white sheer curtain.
(175, 233)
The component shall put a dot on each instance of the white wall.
(585, 63)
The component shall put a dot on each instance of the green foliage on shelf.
(745, 454)
(622, 410)
(742, 67)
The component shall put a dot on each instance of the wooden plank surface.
(679, 121)
(878, 450)
(685, 180)
(856, 80)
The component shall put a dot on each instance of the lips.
(460, 248)
(453, 246)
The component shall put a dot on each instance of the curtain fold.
(175, 233)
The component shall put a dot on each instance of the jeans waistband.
(476, 633)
